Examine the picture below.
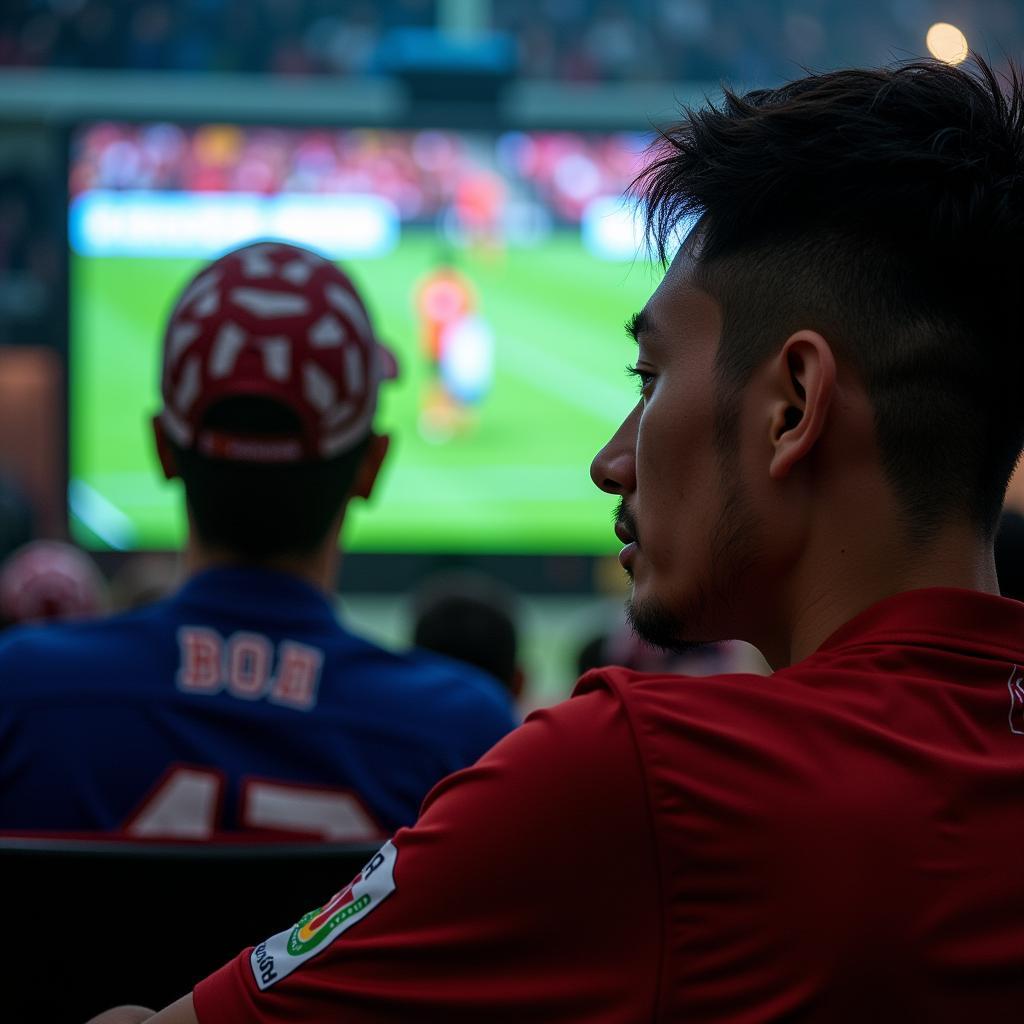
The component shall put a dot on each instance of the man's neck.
(838, 581)
(319, 569)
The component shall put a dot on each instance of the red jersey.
(444, 297)
(838, 842)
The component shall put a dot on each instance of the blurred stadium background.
(489, 138)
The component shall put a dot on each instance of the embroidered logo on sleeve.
(283, 953)
(1016, 685)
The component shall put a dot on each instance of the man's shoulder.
(443, 685)
(699, 711)
(673, 690)
(74, 649)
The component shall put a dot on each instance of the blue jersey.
(239, 703)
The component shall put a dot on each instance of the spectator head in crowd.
(270, 380)
(49, 580)
(473, 619)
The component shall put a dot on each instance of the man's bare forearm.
(181, 1012)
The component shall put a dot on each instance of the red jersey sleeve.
(527, 890)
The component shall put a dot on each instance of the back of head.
(50, 580)
(885, 209)
(260, 511)
(270, 378)
(473, 620)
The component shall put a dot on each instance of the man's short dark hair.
(884, 208)
(259, 510)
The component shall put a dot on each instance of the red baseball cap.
(276, 321)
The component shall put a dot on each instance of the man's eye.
(644, 378)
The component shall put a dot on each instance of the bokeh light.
(947, 43)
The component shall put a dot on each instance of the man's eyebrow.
(636, 324)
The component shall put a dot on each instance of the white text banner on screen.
(204, 225)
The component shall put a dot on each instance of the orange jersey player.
(444, 297)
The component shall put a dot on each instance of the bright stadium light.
(947, 43)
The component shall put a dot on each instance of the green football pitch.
(517, 481)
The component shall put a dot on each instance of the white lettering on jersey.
(244, 664)
(200, 668)
(298, 675)
(249, 658)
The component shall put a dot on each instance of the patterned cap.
(276, 321)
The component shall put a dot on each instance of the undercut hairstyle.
(261, 511)
(884, 209)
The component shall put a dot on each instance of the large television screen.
(499, 266)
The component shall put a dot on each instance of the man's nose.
(614, 466)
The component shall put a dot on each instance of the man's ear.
(805, 380)
(164, 451)
(366, 476)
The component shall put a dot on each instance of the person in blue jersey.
(240, 703)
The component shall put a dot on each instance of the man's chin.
(655, 624)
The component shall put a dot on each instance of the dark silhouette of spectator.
(591, 654)
(472, 619)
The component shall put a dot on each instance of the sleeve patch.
(283, 953)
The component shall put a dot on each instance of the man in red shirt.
(827, 421)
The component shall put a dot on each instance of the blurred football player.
(458, 344)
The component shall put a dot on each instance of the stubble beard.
(702, 619)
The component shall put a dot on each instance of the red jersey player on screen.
(828, 414)
(478, 205)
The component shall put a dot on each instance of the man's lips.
(622, 532)
(625, 530)
(626, 554)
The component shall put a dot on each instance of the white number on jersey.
(186, 804)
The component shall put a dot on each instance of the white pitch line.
(546, 371)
